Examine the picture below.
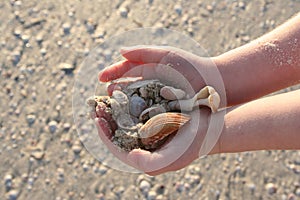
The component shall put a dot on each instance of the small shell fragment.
(171, 93)
(124, 121)
(160, 126)
(151, 112)
(120, 97)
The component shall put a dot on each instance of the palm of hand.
(176, 68)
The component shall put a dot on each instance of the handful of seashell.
(145, 113)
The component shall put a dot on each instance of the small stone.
(242, 5)
(123, 12)
(43, 51)
(102, 169)
(210, 8)
(25, 38)
(60, 171)
(85, 167)
(151, 195)
(60, 175)
(144, 186)
(297, 192)
(271, 188)
(30, 180)
(17, 32)
(66, 126)
(90, 26)
(30, 119)
(52, 126)
(246, 38)
(38, 154)
(76, 148)
(66, 28)
(178, 9)
(179, 187)
(39, 38)
(291, 197)
(8, 181)
(13, 194)
(99, 33)
(204, 12)
(47, 181)
(66, 67)
(251, 187)
(15, 56)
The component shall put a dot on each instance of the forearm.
(265, 65)
(266, 124)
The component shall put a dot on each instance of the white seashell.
(160, 126)
(120, 97)
(137, 105)
(115, 106)
(207, 96)
(143, 91)
(124, 121)
(151, 112)
(171, 93)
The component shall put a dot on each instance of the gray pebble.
(8, 181)
(297, 192)
(52, 126)
(90, 26)
(66, 126)
(13, 194)
(43, 51)
(178, 9)
(123, 12)
(76, 148)
(17, 32)
(60, 175)
(144, 186)
(102, 169)
(30, 119)
(85, 167)
(271, 188)
(15, 56)
(25, 38)
(66, 28)
(151, 195)
(39, 38)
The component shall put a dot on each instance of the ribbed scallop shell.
(160, 126)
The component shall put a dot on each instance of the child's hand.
(180, 69)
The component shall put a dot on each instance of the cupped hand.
(175, 67)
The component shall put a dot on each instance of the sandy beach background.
(42, 46)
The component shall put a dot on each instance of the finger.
(143, 160)
(145, 54)
(180, 60)
(116, 70)
(104, 127)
